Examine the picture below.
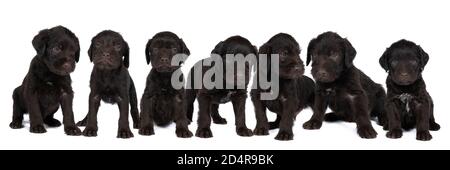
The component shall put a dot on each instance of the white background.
(370, 27)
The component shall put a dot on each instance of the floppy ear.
(77, 43)
(423, 57)
(218, 49)
(384, 59)
(350, 53)
(184, 49)
(40, 41)
(311, 46)
(91, 48)
(148, 54)
(265, 49)
(126, 54)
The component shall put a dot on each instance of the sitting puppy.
(110, 82)
(408, 103)
(210, 98)
(161, 102)
(296, 91)
(47, 84)
(351, 95)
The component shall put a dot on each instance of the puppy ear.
(40, 41)
(265, 49)
(350, 53)
(423, 57)
(311, 46)
(184, 48)
(148, 54)
(126, 54)
(218, 49)
(77, 43)
(90, 50)
(384, 59)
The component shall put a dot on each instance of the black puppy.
(408, 103)
(296, 91)
(351, 95)
(47, 84)
(110, 82)
(210, 98)
(161, 102)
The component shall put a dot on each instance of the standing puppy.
(350, 94)
(296, 91)
(234, 91)
(408, 103)
(110, 82)
(161, 102)
(47, 84)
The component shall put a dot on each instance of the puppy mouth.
(403, 82)
(165, 68)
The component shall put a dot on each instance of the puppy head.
(404, 60)
(330, 55)
(291, 66)
(107, 49)
(59, 48)
(235, 46)
(161, 49)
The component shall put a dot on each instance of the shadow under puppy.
(210, 98)
(296, 91)
(110, 82)
(408, 103)
(161, 102)
(47, 84)
(350, 94)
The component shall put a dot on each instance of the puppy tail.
(133, 105)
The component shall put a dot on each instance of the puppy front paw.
(434, 126)
(38, 129)
(146, 131)
(204, 133)
(394, 133)
(312, 124)
(367, 132)
(90, 132)
(284, 136)
(72, 130)
(16, 124)
(423, 135)
(261, 131)
(220, 120)
(183, 133)
(124, 133)
(244, 131)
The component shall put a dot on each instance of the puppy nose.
(403, 74)
(164, 60)
(105, 54)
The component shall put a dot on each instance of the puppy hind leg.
(275, 124)
(433, 125)
(18, 111)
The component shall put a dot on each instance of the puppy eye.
(56, 49)
(117, 47)
(98, 45)
(174, 50)
(394, 63)
(155, 50)
(413, 62)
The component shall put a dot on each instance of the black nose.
(164, 60)
(404, 74)
(105, 54)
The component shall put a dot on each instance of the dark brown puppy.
(47, 84)
(351, 95)
(161, 102)
(110, 82)
(296, 91)
(408, 103)
(209, 99)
